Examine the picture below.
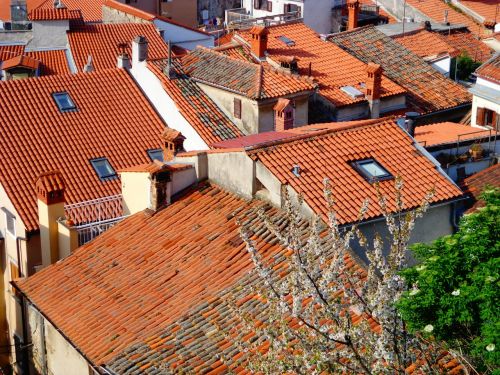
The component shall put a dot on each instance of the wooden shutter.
(269, 6)
(256, 4)
(480, 116)
(14, 274)
(237, 108)
(494, 119)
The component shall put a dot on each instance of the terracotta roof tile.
(428, 90)
(101, 41)
(90, 9)
(465, 41)
(46, 14)
(21, 61)
(113, 119)
(475, 184)
(4, 10)
(129, 10)
(195, 106)
(487, 9)
(490, 70)
(51, 62)
(329, 155)
(426, 44)
(332, 67)
(448, 132)
(251, 80)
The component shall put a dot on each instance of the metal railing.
(95, 210)
(87, 232)
(238, 19)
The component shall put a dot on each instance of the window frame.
(10, 215)
(155, 150)
(358, 166)
(62, 109)
(103, 177)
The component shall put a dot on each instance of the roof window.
(353, 92)
(64, 101)
(103, 168)
(287, 41)
(371, 170)
(156, 154)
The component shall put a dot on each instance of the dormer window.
(103, 168)
(371, 170)
(156, 154)
(64, 101)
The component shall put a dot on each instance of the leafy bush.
(454, 290)
(466, 66)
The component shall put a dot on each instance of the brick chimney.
(173, 143)
(50, 192)
(353, 8)
(259, 40)
(139, 49)
(283, 115)
(373, 88)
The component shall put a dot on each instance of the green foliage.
(466, 66)
(455, 288)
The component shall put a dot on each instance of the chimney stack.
(259, 41)
(353, 8)
(139, 50)
(411, 122)
(173, 144)
(89, 66)
(124, 61)
(373, 88)
(50, 192)
(283, 115)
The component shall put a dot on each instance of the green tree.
(454, 290)
(466, 66)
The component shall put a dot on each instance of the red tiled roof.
(448, 132)
(129, 9)
(332, 67)
(43, 14)
(426, 44)
(490, 69)
(4, 10)
(435, 10)
(248, 79)
(22, 61)
(464, 41)
(382, 12)
(329, 155)
(51, 62)
(101, 42)
(428, 90)
(488, 9)
(236, 51)
(475, 184)
(196, 107)
(90, 9)
(113, 120)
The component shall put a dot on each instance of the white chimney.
(139, 50)
(124, 61)
(89, 66)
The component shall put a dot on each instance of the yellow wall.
(136, 190)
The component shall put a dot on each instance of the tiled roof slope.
(51, 62)
(488, 9)
(251, 80)
(90, 9)
(329, 156)
(169, 264)
(113, 120)
(465, 41)
(426, 44)
(475, 184)
(43, 14)
(101, 41)
(332, 67)
(435, 10)
(448, 132)
(4, 10)
(197, 108)
(428, 90)
(490, 70)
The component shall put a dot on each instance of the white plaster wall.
(442, 66)
(232, 170)
(166, 107)
(184, 37)
(485, 83)
(392, 103)
(136, 191)
(49, 35)
(183, 179)
(478, 102)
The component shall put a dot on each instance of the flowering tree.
(321, 315)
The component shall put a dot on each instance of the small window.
(237, 108)
(103, 168)
(289, 42)
(156, 154)
(371, 170)
(64, 101)
(10, 222)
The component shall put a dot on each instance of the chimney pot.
(139, 49)
(124, 61)
(373, 88)
(259, 40)
(173, 143)
(411, 119)
(89, 67)
(353, 8)
(283, 115)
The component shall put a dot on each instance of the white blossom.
(490, 347)
(429, 328)
(456, 292)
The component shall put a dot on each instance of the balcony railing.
(95, 210)
(87, 232)
(238, 19)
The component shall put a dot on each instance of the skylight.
(64, 101)
(287, 41)
(155, 154)
(103, 168)
(353, 92)
(371, 170)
